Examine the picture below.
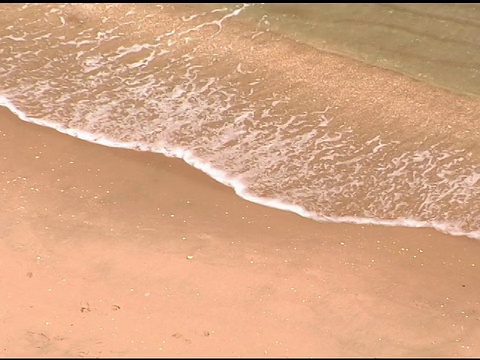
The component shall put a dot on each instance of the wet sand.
(110, 252)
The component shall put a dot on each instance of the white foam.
(15, 38)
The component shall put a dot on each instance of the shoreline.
(234, 185)
(114, 252)
(271, 203)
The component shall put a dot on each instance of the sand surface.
(110, 252)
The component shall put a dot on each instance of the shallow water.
(284, 124)
(436, 43)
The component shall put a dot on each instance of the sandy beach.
(110, 252)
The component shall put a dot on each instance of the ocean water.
(252, 95)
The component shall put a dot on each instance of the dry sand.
(113, 253)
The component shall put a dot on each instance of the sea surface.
(360, 113)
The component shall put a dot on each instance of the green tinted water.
(436, 43)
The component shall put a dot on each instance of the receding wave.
(189, 84)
